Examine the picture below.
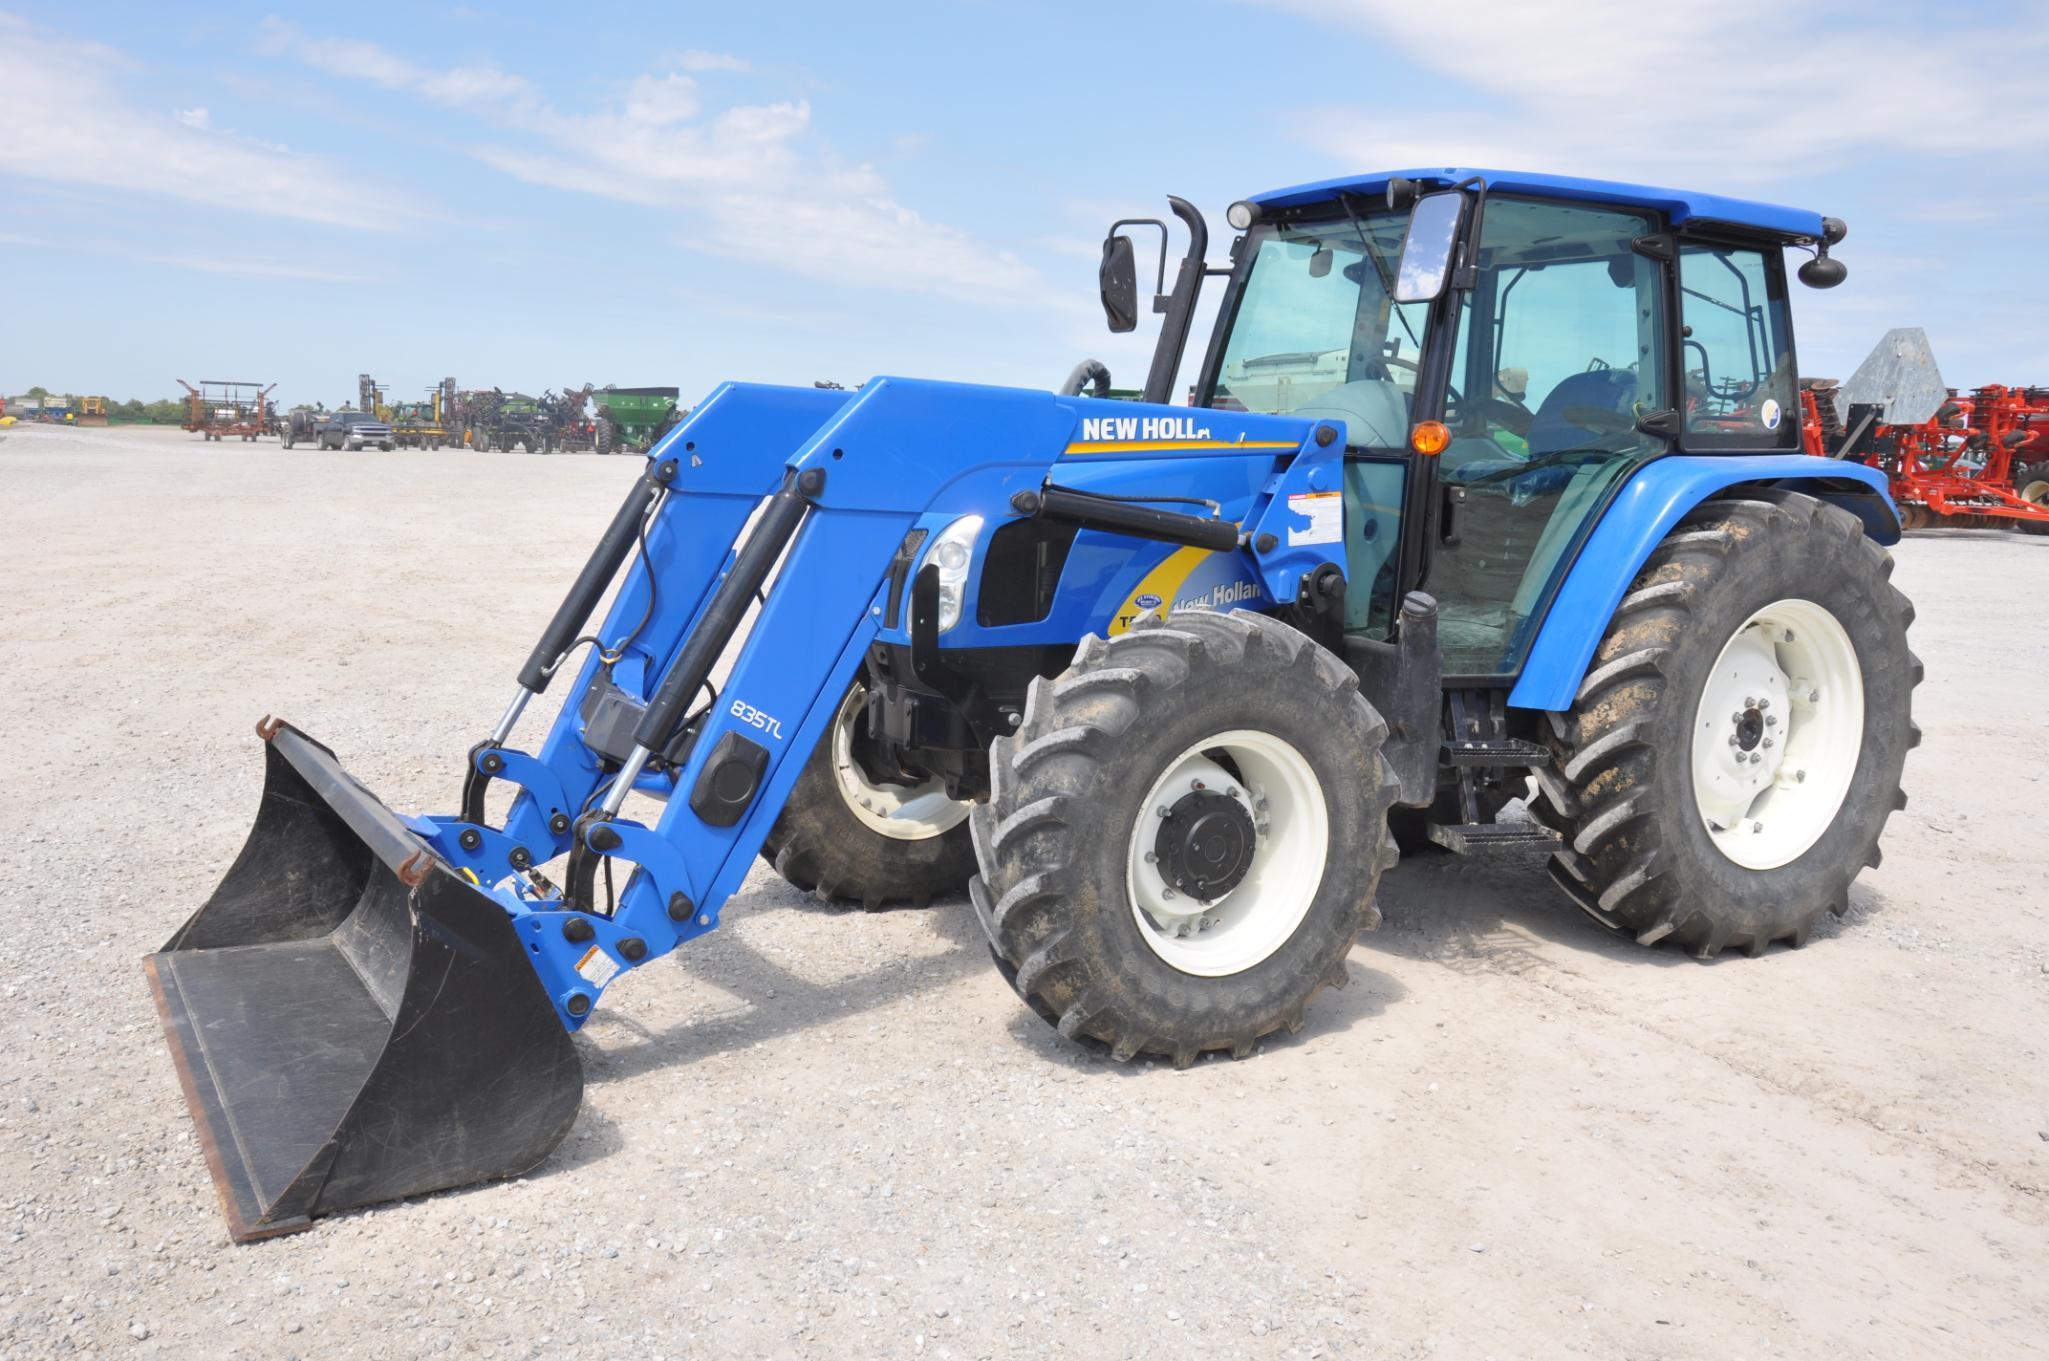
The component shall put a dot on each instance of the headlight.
(951, 552)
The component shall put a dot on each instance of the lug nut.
(1813, 696)
(1165, 811)
(1763, 704)
(1749, 702)
(1800, 775)
(1151, 859)
(1767, 741)
(1789, 635)
(1197, 784)
(1756, 827)
(1771, 720)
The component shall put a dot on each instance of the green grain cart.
(633, 418)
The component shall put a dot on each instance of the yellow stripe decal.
(1163, 581)
(1142, 446)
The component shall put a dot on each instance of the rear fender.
(1649, 504)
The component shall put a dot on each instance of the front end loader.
(1487, 531)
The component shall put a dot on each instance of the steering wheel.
(1088, 371)
(1510, 416)
(1452, 400)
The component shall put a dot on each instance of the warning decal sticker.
(1325, 511)
(597, 967)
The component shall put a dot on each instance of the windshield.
(1317, 333)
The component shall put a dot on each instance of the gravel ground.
(818, 1133)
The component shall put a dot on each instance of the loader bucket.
(350, 1019)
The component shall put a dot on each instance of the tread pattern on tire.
(1614, 865)
(1026, 833)
(820, 847)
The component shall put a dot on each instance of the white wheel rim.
(1259, 914)
(902, 812)
(2035, 489)
(1777, 734)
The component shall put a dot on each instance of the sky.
(541, 196)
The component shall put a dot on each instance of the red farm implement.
(214, 410)
(1975, 459)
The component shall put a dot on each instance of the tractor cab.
(1502, 352)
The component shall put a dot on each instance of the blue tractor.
(1487, 529)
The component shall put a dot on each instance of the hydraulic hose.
(589, 587)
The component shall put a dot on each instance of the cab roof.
(1681, 205)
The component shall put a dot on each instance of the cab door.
(1561, 349)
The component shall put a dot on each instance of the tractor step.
(1496, 838)
(1509, 752)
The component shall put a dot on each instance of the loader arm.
(898, 453)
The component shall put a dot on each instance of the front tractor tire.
(1184, 836)
(845, 836)
(1735, 750)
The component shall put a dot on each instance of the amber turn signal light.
(1430, 437)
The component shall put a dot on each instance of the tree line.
(170, 411)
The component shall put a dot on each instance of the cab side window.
(1741, 390)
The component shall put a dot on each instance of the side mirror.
(1823, 271)
(1118, 279)
(1426, 250)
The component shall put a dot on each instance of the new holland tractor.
(1487, 529)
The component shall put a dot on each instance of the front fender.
(1647, 506)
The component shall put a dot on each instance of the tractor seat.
(1551, 430)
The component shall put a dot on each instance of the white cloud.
(751, 181)
(257, 269)
(695, 60)
(1746, 91)
(63, 120)
(461, 87)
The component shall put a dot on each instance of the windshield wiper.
(1380, 267)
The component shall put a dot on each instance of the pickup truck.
(354, 430)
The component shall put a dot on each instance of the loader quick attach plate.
(351, 1021)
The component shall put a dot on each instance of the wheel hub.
(1226, 852)
(1749, 729)
(1205, 843)
(1777, 734)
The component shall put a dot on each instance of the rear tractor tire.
(2031, 484)
(1732, 757)
(1184, 836)
(847, 837)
